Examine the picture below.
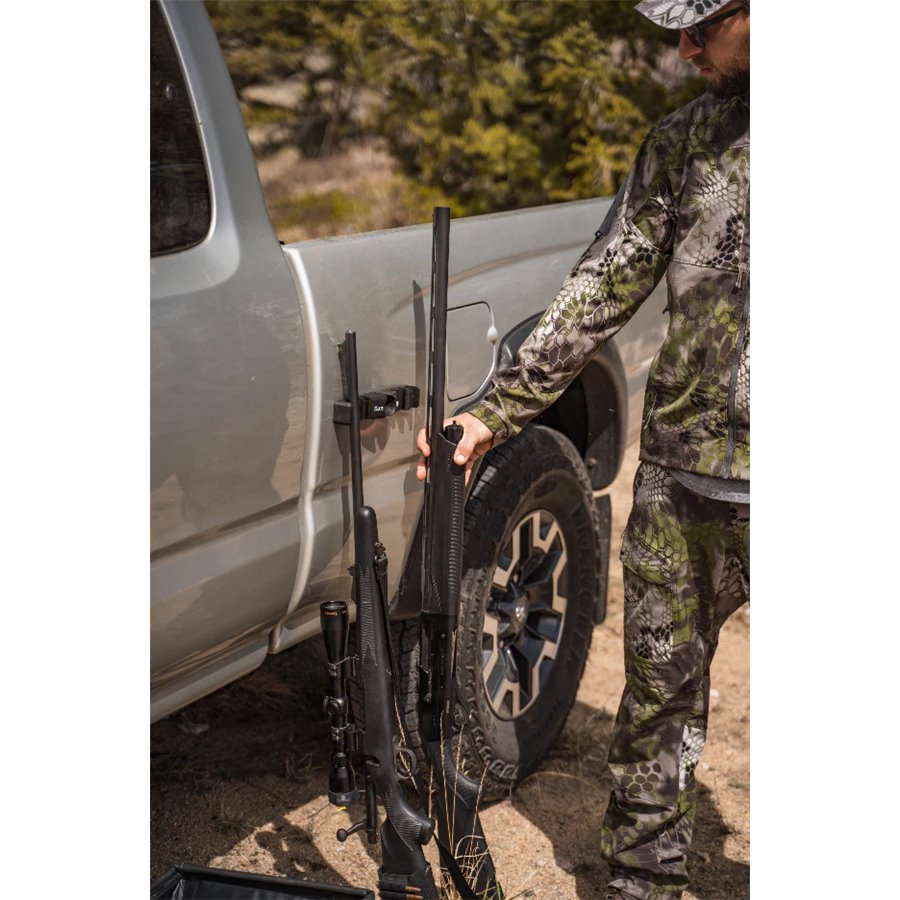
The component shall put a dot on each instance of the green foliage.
(315, 209)
(485, 104)
(263, 114)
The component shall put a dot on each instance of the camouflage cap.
(679, 13)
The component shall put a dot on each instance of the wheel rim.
(525, 614)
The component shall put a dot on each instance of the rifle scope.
(335, 622)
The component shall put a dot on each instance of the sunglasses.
(695, 32)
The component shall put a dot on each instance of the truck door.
(228, 375)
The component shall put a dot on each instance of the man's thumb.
(464, 448)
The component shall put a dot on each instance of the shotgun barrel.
(455, 795)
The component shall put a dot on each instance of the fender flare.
(593, 410)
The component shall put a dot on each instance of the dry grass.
(351, 192)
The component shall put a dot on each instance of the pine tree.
(485, 105)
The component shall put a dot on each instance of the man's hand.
(475, 442)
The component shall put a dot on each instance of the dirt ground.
(238, 780)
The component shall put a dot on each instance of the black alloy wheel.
(534, 563)
(525, 615)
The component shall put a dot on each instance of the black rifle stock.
(455, 795)
(404, 871)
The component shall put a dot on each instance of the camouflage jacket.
(686, 212)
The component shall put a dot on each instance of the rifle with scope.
(386, 760)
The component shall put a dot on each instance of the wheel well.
(592, 413)
(593, 410)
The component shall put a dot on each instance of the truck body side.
(250, 512)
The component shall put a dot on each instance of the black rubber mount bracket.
(379, 404)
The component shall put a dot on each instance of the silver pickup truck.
(249, 505)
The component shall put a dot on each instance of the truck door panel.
(228, 389)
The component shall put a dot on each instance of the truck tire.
(532, 571)
(546, 609)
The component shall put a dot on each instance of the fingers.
(425, 450)
(475, 442)
(465, 447)
(422, 443)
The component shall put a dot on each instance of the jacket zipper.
(742, 334)
(732, 387)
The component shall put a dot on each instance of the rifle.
(404, 873)
(455, 795)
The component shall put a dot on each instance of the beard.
(736, 81)
(736, 85)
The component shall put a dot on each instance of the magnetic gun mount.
(379, 750)
(378, 404)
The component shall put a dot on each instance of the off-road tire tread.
(506, 475)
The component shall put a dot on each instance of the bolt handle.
(344, 833)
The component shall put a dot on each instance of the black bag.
(199, 883)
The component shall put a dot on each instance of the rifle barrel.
(441, 250)
(351, 370)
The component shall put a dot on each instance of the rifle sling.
(448, 862)
(381, 562)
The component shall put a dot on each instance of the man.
(685, 550)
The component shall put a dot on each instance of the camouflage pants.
(686, 562)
